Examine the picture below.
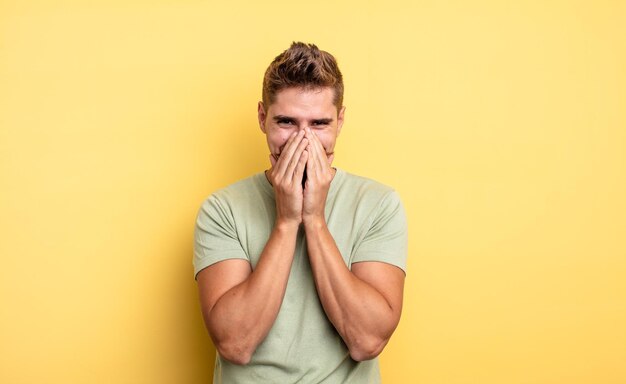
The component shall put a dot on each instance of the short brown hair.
(303, 65)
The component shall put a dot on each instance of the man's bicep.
(217, 279)
(385, 278)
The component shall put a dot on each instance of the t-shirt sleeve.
(386, 239)
(215, 236)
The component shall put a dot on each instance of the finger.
(311, 164)
(292, 154)
(287, 152)
(318, 145)
(299, 173)
(295, 160)
(322, 156)
(318, 154)
(277, 156)
(272, 160)
(311, 155)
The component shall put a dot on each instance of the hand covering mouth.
(276, 156)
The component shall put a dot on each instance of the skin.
(364, 303)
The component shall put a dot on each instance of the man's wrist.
(314, 222)
(286, 226)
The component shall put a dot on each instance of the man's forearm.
(242, 316)
(364, 318)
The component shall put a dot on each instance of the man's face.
(297, 108)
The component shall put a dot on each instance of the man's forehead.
(304, 101)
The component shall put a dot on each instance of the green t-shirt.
(367, 222)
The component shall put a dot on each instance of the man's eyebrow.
(326, 120)
(283, 117)
(323, 121)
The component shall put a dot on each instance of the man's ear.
(262, 115)
(340, 117)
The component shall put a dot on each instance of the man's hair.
(303, 65)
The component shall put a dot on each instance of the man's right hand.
(286, 178)
(230, 285)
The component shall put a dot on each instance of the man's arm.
(364, 304)
(239, 305)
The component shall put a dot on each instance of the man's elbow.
(235, 354)
(367, 350)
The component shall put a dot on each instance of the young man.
(301, 268)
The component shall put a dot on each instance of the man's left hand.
(319, 175)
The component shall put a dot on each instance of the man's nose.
(303, 127)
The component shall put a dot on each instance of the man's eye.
(285, 121)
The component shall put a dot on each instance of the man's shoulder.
(364, 187)
(364, 181)
(240, 188)
(239, 194)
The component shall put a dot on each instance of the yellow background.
(501, 124)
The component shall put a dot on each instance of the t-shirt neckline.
(334, 184)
